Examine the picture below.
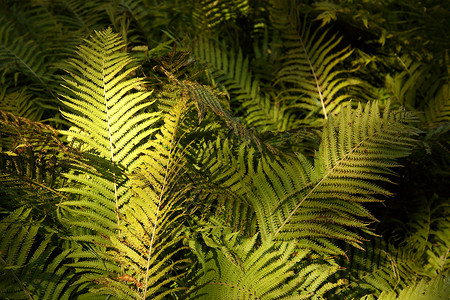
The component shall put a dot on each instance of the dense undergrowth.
(224, 149)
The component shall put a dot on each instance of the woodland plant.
(224, 149)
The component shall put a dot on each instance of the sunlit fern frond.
(233, 267)
(231, 72)
(31, 261)
(105, 104)
(149, 245)
(322, 202)
(309, 77)
(112, 120)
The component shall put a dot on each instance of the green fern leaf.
(31, 263)
(308, 76)
(241, 268)
(16, 52)
(104, 105)
(299, 200)
(436, 289)
(31, 159)
(111, 123)
(231, 71)
(151, 227)
(387, 268)
(222, 185)
(20, 103)
(438, 107)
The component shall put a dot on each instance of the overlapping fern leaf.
(151, 223)
(112, 118)
(31, 262)
(222, 184)
(21, 103)
(309, 77)
(420, 261)
(19, 54)
(436, 289)
(208, 14)
(233, 267)
(207, 98)
(231, 72)
(323, 201)
(32, 157)
(438, 107)
(31, 44)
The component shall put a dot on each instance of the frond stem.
(315, 78)
(111, 146)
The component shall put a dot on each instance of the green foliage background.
(226, 149)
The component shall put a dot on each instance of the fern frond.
(387, 268)
(221, 184)
(21, 103)
(19, 54)
(151, 228)
(231, 71)
(75, 15)
(406, 86)
(437, 288)
(104, 104)
(32, 157)
(31, 265)
(209, 14)
(391, 271)
(438, 107)
(111, 123)
(309, 76)
(296, 199)
(241, 268)
(205, 97)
